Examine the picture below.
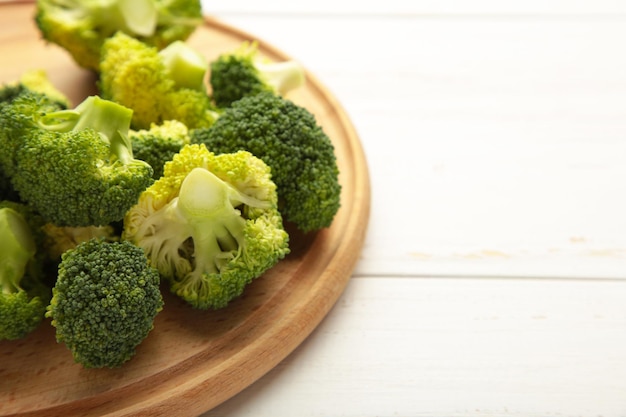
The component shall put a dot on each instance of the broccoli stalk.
(242, 73)
(109, 119)
(17, 248)
(186, 67)
(22, 297)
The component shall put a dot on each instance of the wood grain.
(193, 360)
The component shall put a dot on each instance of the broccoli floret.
(104, 302)
(159, 144)
(34, 91)
(242, 73)
(81, 26)
(23, 294)
(210, 225)
(74, 167)
(288, 139)
(149, 82)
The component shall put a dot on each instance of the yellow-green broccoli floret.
(242, 73)
(159, 144)
(288, 139)
(81, 26)
(23, 293)
(157, 86)
(75, 167)
(104, 302)
(210, 225)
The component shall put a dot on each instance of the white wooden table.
(493, 277)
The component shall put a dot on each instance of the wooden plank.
(455, 347)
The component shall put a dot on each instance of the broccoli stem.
(109, 119)
(186, 67)
(17, 249)
(205, 202)
(283, 76)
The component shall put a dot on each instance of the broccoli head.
(23, 294)
(81, 26)
(159, 144)
(210, 225)
(157, 86)
(34, 91)
(104, 302)
(242, 73)
(75, 167)
(288, 139)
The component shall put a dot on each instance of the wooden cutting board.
(192, 360)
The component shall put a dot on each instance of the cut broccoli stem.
(109, 119)
(205, 202)
(283, 76)
(17, 249)
(186, 67)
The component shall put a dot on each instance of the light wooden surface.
(192, 360)
(493, 276)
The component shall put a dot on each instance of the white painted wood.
(418, 7)
(455, 347)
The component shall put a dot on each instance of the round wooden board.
(192, 360)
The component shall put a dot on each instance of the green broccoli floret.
(23, 295)
(104, 302)
(35, 91)
(242, 73)
(210, 225)
(74, 167)
(159, 144)
(151, 82)
(288, 139)
(81, 26)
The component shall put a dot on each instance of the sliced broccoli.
(104, 302)
(288, 139)
(241, 73)
(159, 144)
(75, 167)
(23, 295)
(148, 82)
(210, 225)
(81, 26)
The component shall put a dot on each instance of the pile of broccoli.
(180, 172)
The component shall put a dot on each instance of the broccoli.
(241, 73)
(159, 144)
(34, 91)
(36, 81)
(75, 167)
(24, 295)
(104, 302)
(150, 82)
(81, 26)
(210, 225)
(288, 139)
